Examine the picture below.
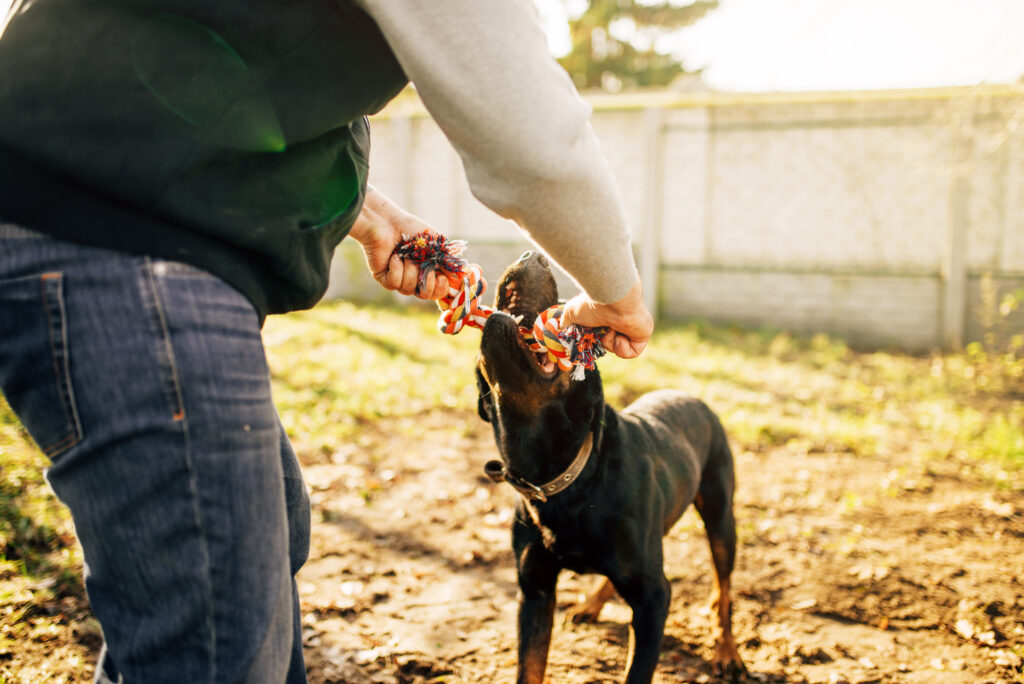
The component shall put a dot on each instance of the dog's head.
(523, 395)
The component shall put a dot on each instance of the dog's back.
(683, 441)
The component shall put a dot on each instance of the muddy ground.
(851, 568)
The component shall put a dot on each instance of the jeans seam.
(152, 295)
(160, 322)
(60, 362)
(203, 545)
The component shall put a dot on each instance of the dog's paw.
(730, 672)
(585, 613)
(727, 664)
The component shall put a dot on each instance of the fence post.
(954, 257)
(402, 123)
(650, 233)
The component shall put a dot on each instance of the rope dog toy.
(462, 305)
(572, 347)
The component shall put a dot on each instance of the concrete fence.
(892, 218)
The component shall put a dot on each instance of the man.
(170, 173)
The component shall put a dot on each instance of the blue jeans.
(146, 384)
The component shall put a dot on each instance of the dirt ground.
(851, 568)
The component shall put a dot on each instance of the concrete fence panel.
(891, 218)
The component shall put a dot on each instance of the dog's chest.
(573, 539)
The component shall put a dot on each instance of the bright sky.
(765, 45)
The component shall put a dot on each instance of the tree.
(614, 42)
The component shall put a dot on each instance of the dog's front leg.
(649, 601)
(536, 615)
(538, 575)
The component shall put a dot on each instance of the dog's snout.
(498, 331)
(530, 255)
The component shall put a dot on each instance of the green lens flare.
(194, 72)
(333, 192)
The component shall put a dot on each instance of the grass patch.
(339, 369)
(342, 372)
(35, 530)
(40, 562)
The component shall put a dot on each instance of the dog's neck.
(543, 490)
(541, 461)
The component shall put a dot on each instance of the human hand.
(379, 229)
(629, 321)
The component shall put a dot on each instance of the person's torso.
(243, 122)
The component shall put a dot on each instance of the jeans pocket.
(34, 365)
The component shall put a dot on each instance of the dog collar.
(497, 471)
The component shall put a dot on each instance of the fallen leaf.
(964, 628)
(988, 638)
(1008, 658)
(1004, 510)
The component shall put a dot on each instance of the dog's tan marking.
(485, 371)
(534, 667)
(590, 608)
(630, 649)
(532, 398)
(546, 535)
(726, 661)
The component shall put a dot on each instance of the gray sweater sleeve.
(522, 131)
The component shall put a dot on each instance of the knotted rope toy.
(462, 305)
(572, 347)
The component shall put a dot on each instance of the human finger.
(441, 287)
(391, 279)
(410, 277)
(627, 348)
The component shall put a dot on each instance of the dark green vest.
(229, 135)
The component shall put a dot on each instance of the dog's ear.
(597, 424)
(483, 401)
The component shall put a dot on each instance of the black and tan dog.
(599, 488)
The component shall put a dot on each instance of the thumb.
(579, 311)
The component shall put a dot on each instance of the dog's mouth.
(548, 368)
(541, 360)
(527, 287)
(504, 348)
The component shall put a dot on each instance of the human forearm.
(522, 131)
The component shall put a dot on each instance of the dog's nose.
(530, 255)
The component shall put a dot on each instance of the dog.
(599, 487)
